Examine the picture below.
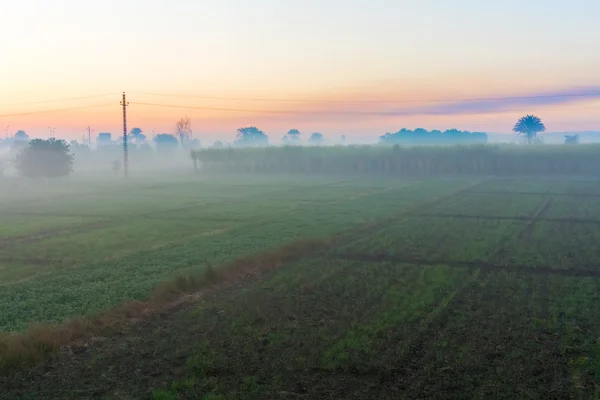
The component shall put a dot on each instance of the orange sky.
(313, 50)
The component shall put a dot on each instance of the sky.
(359, 68)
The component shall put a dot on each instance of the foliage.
(316, 138)
(104, 139)
(218, 145)
(292, 137)
(421, 136)
(44, 159)
(135, 133)
(396, 160)
(165, 142)
(251, 136)
(21, 136)
(529, 126)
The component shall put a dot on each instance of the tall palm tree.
(529, 126)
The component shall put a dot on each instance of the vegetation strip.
(478, 264)
(572, 194)
(509, 218)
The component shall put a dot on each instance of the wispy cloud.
(522, 102)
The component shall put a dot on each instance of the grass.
(80, 270)
(350, 289)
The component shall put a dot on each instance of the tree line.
(53, 158)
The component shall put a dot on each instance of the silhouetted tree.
(251, 136)
(135, 133)
(292, 137)
(529, 126)
(44, 159)
(21, 136)
(217, 145)
(316, 138)
(184, 129)
(165, 141)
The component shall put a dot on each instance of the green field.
(459, 288)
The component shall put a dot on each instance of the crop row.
(383, 160)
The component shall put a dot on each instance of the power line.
(550, 96)
(54, 110)
(349, 113)
(58, 100)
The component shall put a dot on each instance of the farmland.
(433, 288)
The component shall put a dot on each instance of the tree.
(316, 138)
(135, 133)
(45, 159)
(529, 126)
(165, 141)
(184, 129)
(292, 137)
(217, 145)
(251, 136)
(21, 136)
(571, 139)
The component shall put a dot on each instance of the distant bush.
(396, 160)
(44, 159)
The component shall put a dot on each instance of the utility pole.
(6, 131)
(124, 103)
(89, 136)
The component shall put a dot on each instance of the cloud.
(355, 108)
(521, 103)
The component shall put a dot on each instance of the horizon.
(313, 67)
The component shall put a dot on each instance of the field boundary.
(478, 264)
(557, 194)
(537, 218)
